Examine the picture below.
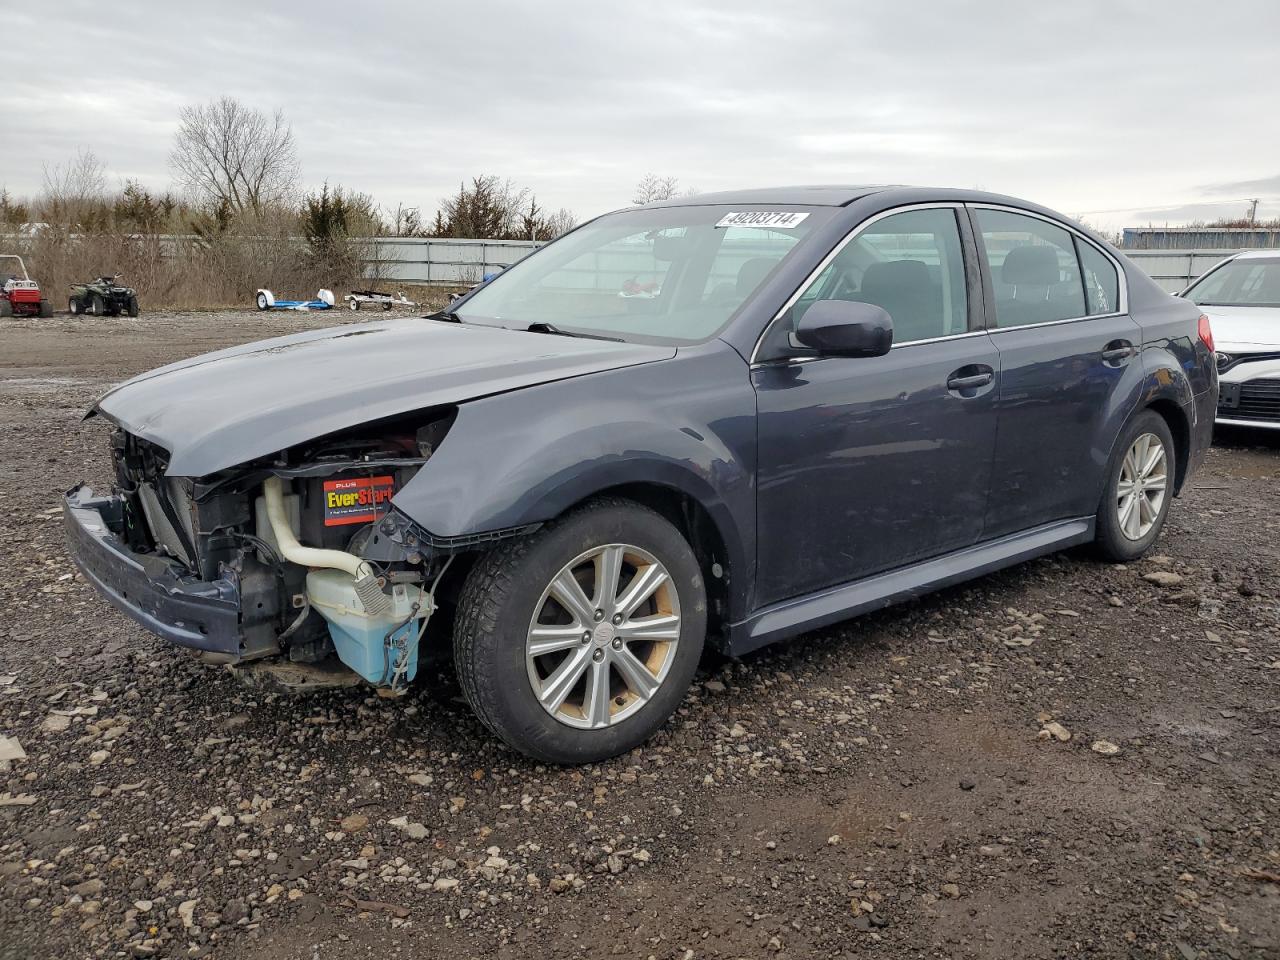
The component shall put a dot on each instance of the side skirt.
(790, 617)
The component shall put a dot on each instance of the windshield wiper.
(542, 326)
(447, 315)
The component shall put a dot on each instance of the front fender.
(524, 457)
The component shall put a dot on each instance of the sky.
(1120, 112)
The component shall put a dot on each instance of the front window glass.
(1033, 269)
(667, 274)
(1247, 282)
(911, 265)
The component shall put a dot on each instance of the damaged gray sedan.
(726, 419)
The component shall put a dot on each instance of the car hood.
(225, 408)
(1251, 328)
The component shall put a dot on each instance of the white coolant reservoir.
(361, 638)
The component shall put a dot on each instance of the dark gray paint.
(846, 482)
(235, 405)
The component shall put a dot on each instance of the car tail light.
(1206, 332)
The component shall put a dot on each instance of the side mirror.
(846, 328)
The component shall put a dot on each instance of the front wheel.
(97, 306)
(133, 306)
(1139, 488)
(576, 643)
(73, 305)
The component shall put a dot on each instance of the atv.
(19, 294)
(103, 297)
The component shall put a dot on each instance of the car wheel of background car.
(46, 308)
(133, 306)
(262, 301)
(96, 306)
(1139, 488)
(576, 643)
(73, 305)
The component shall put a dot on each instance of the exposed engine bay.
(320, 562)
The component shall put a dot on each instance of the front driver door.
(871, 463)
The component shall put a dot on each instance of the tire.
(133, 307)
(386, 307)
(96, 305)
(73, 306)
(262, 301)
(508, 591)
(354, 304)
(6, 308)
(1128, 539)
(46, 308)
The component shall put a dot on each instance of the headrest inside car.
(1037, 266)
(752, 273)
(894, 275)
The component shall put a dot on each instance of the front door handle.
(1117, 351)
(971, 381)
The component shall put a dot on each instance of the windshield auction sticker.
(777, 220)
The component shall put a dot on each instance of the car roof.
(829, 195)
(1258, 254)
(818, 195)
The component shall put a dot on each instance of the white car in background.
(1241, 296)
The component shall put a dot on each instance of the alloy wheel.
(603, 636)
(1144, 479)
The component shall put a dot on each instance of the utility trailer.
(357, 299)
(266, 300)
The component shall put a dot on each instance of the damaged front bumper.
(154, 591)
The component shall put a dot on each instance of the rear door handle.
(971, 381)
(1117, 351)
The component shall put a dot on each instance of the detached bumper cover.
(201, 614)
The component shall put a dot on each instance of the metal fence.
(430, 260)
(1174, 269)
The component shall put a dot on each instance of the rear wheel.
(96, 305)
(576, 643)
(6, 308)
(262, 301)
(133, 306)
(46, 308)
(73, 305)
(1139, 488)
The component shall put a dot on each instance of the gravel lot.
(1066, 759)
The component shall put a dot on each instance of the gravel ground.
(1066, 759)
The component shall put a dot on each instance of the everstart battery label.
(356, 500)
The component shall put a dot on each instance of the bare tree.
(652, 188)
(75, 191)
(405, 221)
(229, 154)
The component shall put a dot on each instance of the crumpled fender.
(522, 458)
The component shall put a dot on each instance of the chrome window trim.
(1122, 281)
(1054, 323)
(810, 358)
(835, 252)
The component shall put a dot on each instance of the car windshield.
(1246, 282)
(664, 274)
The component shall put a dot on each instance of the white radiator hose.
(367, 587)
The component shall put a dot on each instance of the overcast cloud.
(1117, 111)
